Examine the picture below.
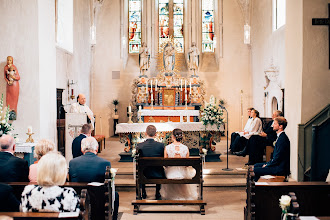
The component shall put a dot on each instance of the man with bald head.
(13, 169)
(81, 107)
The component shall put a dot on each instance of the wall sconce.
(70, 86)
(247, 34)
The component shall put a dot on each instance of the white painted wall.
(76, 66)
(233, 75)
(19, 38)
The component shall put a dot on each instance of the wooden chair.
(144, 162)
(83, 214)
(99, 139)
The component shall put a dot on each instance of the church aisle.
(222, 203)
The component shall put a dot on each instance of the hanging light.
(247, 34)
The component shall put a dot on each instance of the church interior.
(163, 62)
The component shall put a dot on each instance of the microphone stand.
(226, 169)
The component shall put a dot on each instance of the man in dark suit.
(256, 144)
(90, 168)
(12, 169)
(280, 164)
(8, 201)
(86, 131)
(151, 148)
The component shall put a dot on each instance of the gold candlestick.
(140, 120)
(130, 118)
(30, 139)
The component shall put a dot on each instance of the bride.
(178, 191)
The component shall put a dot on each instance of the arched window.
(134, 19)
(207, 26)
(278, 13)
(171, 22)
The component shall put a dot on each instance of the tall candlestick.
(181, 85)
(129, 109)
(156, 85)
(190, 85)
(186, 97)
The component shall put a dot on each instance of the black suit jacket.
(76, 146)
(8, 201)
(281, 155)
(13, 169)
(152, 148)
(271, 134)
(88, 168)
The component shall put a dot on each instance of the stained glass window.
(134, 35)
(207, 25)
(171, 22)
(178, 24)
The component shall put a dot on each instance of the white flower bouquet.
(285, 202)
(5, 127)
(133, 152)
(212, 115)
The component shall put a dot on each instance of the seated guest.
(234, 135)
(41, 148)
(47, 196)
(8, 201)
(257, 143)
(86, 131)
(280, 164)
(255, 127)
(13, 169)
(90, 168)
(151, 148)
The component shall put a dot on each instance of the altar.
(196, 136)
(169, 100)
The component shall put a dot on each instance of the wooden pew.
(100, 196)
(83, 214)
(263, 198)
(144, 162)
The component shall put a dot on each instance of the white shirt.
(278, 134)
(247, 125)
(77, 108)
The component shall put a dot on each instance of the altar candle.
(186, 97)
(190, 85)
(129, 109)
(181, 85)
(140, 108)
(156, 85)
(152, 96)
(30, 130)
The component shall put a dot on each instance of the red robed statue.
(12, 77)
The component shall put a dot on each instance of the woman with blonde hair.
(47, 196)
(42, 147)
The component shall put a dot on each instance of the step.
(168, 202)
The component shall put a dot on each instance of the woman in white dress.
(178, 191)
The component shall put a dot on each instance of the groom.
(151, 148)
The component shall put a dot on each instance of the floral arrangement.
(113, 172)
(285, 202)
(5, 127)
(133, 152)
(212, 114)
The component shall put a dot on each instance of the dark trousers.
(259, 171)
(255, 148)
(116, 206)
(234, 135)
(238, 144)
(143, 188)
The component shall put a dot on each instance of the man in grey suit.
(90, 168)
(151, 148)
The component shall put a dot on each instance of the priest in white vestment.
(81, 107)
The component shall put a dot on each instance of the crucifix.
(324, 21)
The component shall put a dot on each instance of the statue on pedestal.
(193, 58)
(169, 57)
(144, 58)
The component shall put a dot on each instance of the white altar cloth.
(167, 126)
(146, 112)
(24, 147)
